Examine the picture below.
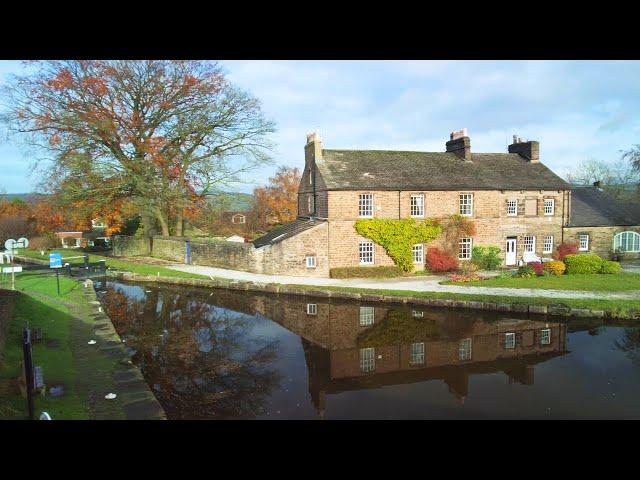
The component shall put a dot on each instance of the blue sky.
(577, 110)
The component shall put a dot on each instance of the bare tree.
(614, 177)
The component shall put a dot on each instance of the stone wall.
(600, 239)
(288, 257)
(223, 254)
(124, 246)
(169, 248)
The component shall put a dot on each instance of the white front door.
(510, 257)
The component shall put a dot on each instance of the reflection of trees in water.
(630, 344)
(200, 360)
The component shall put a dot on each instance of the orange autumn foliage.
(279, 199)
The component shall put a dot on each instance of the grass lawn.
(598, 283)
(63, 353)
(617, 307)
(114, 263)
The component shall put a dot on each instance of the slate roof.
(591, 207)
(287, 230)
(396, 170)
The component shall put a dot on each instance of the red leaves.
(440, 261)
(61, 81)
(95, 85)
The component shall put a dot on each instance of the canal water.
(220, 354)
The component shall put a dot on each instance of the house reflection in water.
(352, 347)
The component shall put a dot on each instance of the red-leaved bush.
(440, 261)
(538, 267)
(564, 249)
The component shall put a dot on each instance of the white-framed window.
(238, 218)
(312, 308)
(367, 316)
(417, 314)
(417, 354)
(510, 340)
(512, 208)
(466, 204)
(549, 206)
(529, 243)
(464, 351)
(418, 253)
(547, 244)
(365, 205)
(311, 261)
(417, 205)
(584, 242)
(367, 359)
(545, 336)
(465, 247)
(626, 242)
(366, 253)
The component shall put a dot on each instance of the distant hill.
(25, 197)
(234, 201)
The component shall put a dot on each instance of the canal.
(222, 354)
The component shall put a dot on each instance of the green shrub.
(526, 271)
(398, 237)
(365, 272)
(610, 267)
(583, 263)
(555, 267)
(486, 258)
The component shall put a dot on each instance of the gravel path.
(418, 284)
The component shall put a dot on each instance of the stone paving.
(417, 284)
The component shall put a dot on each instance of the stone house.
(602, 225)
(516, 202)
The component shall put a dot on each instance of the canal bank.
(562, 307)
(81, 355)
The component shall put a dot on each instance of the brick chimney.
(529, 150)
(460, 144)
(313, 149)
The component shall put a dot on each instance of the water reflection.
(229, 354)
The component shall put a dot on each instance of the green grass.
(618, 282)
(114, 263)
(63, 354)
(617, 307)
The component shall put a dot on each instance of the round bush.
(526, 271)
(555, 267)
(588, 263)
(610, 267)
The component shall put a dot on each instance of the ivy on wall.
(398, 237)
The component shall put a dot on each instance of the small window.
(464, 350)
(466, 204)
(417, 205)
(510, 340)
(311, 261)
(584, 242)
(529, 244)
(418, 253)
(312, 308)
(366, 253)
(549, 206)
(545, 336)
(547, 246)
(512, 208)
(367, 359)
(417, 314)
(367, 316)
(365, 205)
(417, 354)
(626, 242)
(309, 204)
(310, 179)
(465, 247)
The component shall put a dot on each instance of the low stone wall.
(223, 254)
(124, 246)
(169, 248)
(319, 292)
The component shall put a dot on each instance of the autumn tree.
(158, 134)
(279, 199)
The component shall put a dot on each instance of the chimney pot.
(460, 144)
(529, 150)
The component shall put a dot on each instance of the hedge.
(486, 258)
(556, 267)
(583, 263)
(610, 267)
(365, 272)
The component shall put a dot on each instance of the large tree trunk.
(179, 224)
(164, 224)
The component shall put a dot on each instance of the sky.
(577, 110)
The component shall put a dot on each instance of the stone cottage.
(516, 202)
(602, 225)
